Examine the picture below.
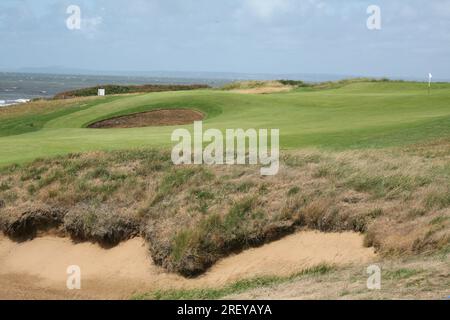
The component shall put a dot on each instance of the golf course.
(357, 115)
(364, 178)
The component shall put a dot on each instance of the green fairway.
(358, 115)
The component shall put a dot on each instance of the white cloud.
(268, 9)
(265, 9)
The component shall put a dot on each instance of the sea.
(22, 87)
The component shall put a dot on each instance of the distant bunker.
(163, 117)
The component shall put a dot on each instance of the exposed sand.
(37, 269)
(167, 117)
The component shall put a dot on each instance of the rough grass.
(416, 278)
(252, 84)
(123, 89)
(194, 215)
(235, 288)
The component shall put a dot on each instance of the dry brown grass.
(417, 278)
(257, 87)
(194, 215)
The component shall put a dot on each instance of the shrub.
(123, 89)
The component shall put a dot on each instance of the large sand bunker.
(37, 269)
(164, 117)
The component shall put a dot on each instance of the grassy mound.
(252, 84)
(255, 84)
(194, 215)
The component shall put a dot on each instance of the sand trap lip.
(161, 117)
(37, 269)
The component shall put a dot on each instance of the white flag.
(430, 76)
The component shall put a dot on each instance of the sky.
(247, 36)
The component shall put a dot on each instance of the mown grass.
(357, 114)
(34, 117)
(235, 288)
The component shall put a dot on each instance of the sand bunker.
(166, 117)
(37, 269)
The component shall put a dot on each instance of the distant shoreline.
(15, 86)
(19, 87)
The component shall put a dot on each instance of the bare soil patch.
(165, 117)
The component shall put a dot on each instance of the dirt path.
(37, 269)
(168, 117)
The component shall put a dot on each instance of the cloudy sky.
(249, 36)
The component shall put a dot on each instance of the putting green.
(358, 115)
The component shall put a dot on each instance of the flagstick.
(429, 83)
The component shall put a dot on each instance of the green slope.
(357, 115)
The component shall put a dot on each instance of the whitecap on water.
(5, 103)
